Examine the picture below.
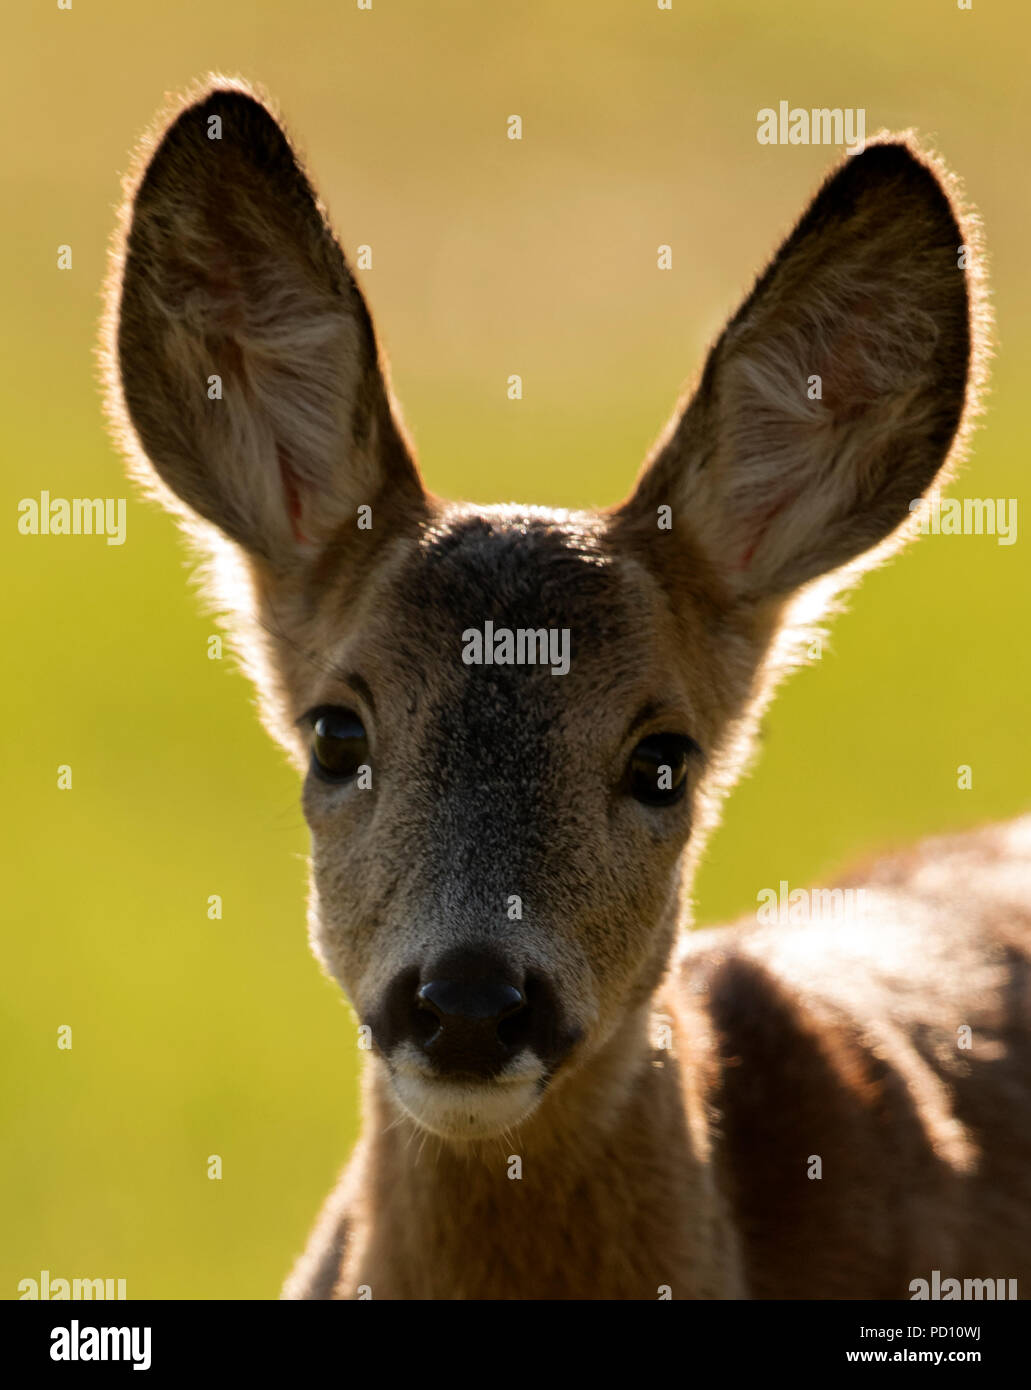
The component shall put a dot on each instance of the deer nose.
(469, 1012)
(471, 1023)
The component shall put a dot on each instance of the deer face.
(511, 723)
(498, 891)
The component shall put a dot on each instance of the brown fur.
(644, 1166)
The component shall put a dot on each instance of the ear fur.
(242, 367)
(831, 402)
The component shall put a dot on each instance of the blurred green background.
(194, 1037)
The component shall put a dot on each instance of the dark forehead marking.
(529, 570)
(499, 814)
(520, 570)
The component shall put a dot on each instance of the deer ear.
(832, 399)
(240, 351)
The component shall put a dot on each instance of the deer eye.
(338, 744)
(657, 772)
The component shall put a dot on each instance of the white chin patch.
(466, 1110)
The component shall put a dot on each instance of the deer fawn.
(517, 725)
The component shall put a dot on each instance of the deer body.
(561, 1102)
(685, 1159)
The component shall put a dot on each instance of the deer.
(568, 1093)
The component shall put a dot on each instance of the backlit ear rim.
(840, 391)
(242, 367)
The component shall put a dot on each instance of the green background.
(194, 1037)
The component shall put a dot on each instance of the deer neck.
(606, 1192)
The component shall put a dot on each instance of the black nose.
(469, 1012)
(470, 1022)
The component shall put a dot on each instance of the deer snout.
(470, 1013)
(469, 1025)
